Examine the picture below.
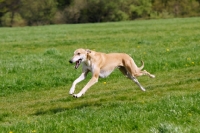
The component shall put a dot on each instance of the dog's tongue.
(77, 64)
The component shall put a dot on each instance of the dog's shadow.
(75, 105)
(50, 111)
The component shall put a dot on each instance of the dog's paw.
(152, 76)
(71, 93)
(142, 88)
(77, 95)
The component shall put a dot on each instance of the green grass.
(35, 78)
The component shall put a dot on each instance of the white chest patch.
(104, 74)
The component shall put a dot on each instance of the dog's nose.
(70, 61)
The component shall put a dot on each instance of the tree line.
(41, 12)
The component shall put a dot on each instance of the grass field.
(35, 78)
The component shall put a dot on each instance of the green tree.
(38, 12)
(178, 8)
(63, 3)
(198, 2)
(72, 13)
(140, 9)
(103, 11)
(11, 6)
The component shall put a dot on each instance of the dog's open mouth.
(78, 63)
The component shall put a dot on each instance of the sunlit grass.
(35, 78)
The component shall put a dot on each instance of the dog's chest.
(104, 74)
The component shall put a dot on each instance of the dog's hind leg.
(128, 75)
(137, 82)
(144, 72)
(124, 72)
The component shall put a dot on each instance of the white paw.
(143, 89)
(152, 76)
(77, 95)
(71, 92)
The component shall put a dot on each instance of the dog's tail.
(142, 65)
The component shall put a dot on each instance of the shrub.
(17, 21)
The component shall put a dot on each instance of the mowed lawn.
(35, 78)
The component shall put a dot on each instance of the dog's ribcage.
(104, 74)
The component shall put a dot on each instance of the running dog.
(102, 65)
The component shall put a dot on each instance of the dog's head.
(80, 55)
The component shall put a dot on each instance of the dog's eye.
(78, 53)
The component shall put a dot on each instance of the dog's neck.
(87, 62)
(89, 57)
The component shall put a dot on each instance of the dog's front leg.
(79, 79)
(92, 81)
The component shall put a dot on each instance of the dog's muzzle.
(70, 61)
(77, 64)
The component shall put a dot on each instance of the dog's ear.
(88, 54)
(88, 51)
